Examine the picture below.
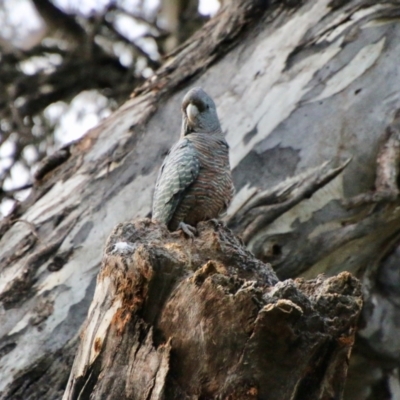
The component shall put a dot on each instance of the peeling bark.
(387, 170)
(295, 85)
(179, 319)
(267, 206)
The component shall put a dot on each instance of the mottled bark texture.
(300, 88)
(174, 318)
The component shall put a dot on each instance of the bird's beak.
(192, 111)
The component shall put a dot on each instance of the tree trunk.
(156, 330)
(296, 84)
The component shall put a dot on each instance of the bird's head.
(199, 113)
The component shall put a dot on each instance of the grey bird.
(194, 183)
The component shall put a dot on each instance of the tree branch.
(267, 206)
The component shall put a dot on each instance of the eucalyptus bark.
(297, 85)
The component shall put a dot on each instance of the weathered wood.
(270, 204)
(296, 84)
(173, 318)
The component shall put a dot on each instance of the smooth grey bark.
(296, 85)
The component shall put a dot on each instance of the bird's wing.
(179, 170)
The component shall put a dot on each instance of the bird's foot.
(216, 222)
(189, 230)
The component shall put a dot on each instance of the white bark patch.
(304, 210)
(21, 324)
(378, 22)
(268, 101)
(9, 274)
(240, 198)
(339, 24)
(96, 330)
(113, 130)
(327, 227)
(361, 63)
(58, 197)
(16, 234)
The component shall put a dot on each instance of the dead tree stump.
(173, 318)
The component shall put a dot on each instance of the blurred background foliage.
(66, 64)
